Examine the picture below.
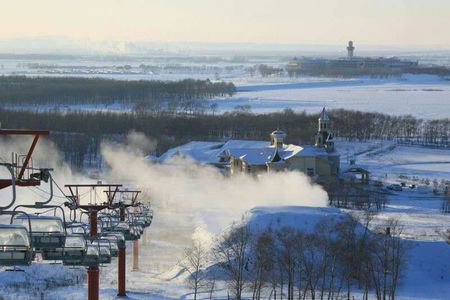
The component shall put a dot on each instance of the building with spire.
(248, 156)
(350, 65)
(324, 136)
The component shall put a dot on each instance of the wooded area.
(186, 95)
(89, 128)
(329, 261)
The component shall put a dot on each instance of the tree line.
(186, 95)
(336, 259)
(87, 129)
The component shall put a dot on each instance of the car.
(395, 187)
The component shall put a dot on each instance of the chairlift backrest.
(42, 224)
(14, 235)
(75, 241)
(92, 250)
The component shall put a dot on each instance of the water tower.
(350, 49)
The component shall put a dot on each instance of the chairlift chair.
(105, 251)
(92, 257)
(47, 232)
(118, 236)
(15, 246)
(75, 250)
(124, 228)
(114, 244)
(78, 228)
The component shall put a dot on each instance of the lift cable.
(46, 192)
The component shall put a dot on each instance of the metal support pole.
(144, 238)
(121, 264)
(93, 272)
(135, 255)
(27, 158)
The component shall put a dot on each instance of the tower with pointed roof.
(277, 138)
(324, 136)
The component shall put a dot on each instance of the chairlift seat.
(74, 250)
(15, 249)
(113, 245)
(92, 256)
(126, 229)
(117, 236)
(47, 232)
(77, 228)
(105, 254)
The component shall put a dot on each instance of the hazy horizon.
(412, 24)
(83, 46)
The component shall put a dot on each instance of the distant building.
(248, 156)
(350, 65)
(350, 49)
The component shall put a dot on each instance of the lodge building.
(248, 156)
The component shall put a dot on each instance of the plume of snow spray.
(191, 202)
(202, 193)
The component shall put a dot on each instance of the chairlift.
(74, 249)
(107, 222)
(111, 244)
(104, 247)
(78, 228)
(118, 236)
(124, 228)
(47, 232)
(92, 256)
(15, 246)
(114, 243)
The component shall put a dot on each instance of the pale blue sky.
(370, 22)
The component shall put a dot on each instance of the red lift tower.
(92, 209)
(128, 199)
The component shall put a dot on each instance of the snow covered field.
(387, 160)
(421, 96)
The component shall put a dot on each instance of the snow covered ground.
(160, 277)
(421, 96)
(387, 160)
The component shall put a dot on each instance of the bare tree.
(232, 255)
(288, 257)
(388, 260)
(263, 249)
(210, 285)
(194, 262)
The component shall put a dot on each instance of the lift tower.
(128, 198)
(92, 209)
